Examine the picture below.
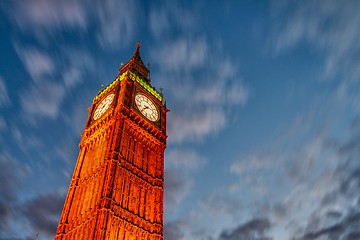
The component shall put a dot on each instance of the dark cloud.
(353, 236)
(10, 174)
(43, 212)
(254, 229)
(343, 229)
(174, 230)
(333, 232)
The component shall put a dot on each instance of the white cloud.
(261, 160)
(202, 84)
(4, 96)
(159, 22)
(117, 22)
(182, 54)
(43, 100)
(113, 21)
(48, 14)
(170, 16)
(332, 27)
(195, 124)
(43, 97)
(37, 63)
(217, 204)
(186, 158)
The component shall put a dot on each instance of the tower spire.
(137, 51)
(136, 64)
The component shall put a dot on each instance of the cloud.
(169, 16)
(185, 54)
(50, 14)
(11, 173)
(253, 229)
(117, 22)
(203, 85)
(331, 27)
(218, 204)
(54, 78)
(38, 64)
(346, 229)
(174, 230)
(337, 216)
(254, 161)
(111, 20)
(40, 15)
(186, 158)
(4, 96)
(177, 186)
(43, 212)
(44, 96)
(43, 100)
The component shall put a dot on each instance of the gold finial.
(138, 45)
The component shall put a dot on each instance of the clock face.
(103, 106)
(147, 107)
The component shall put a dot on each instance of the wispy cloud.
(332, 27)
(185, 158)
(38, 64)
(202, 84)
(171, 16)
(43, 100)
(117, 22)
(254, 229)
(40, 16)
(11, 175)
(4, 96)
(177, 187)
(114, 21)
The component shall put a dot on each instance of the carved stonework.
(116, 191)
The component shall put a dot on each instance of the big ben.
(117, 188)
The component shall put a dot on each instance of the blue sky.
(264, 128)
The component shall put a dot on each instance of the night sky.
(264, 127)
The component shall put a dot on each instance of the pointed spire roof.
(136, 65)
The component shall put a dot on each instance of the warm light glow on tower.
(116, 191)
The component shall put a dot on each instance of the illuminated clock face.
(147, 107)
(103, 106)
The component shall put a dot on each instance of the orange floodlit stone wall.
(117, 187)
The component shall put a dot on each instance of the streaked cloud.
(4, 95)
(183, 55)
(38, 64)
(43, 100)
(218, 204)
(330, 27)
(170, 17)
(47, 14)
(215, 89)
(42, 212)
(177, 187)
(12, 174)
(117, 22)
(185, 158)
(111, 20)
(254, 229)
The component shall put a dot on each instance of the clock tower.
(117, 188)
